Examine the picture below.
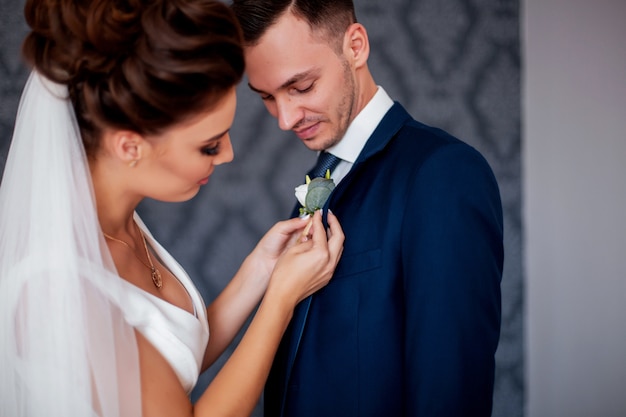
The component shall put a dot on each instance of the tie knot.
(326, 161)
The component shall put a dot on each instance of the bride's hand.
(308, 265)
(273, 244)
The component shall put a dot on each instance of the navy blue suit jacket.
(410, 322)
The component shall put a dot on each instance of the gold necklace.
(155, 274)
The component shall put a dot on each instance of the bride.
(127, 100)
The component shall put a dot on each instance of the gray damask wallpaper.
(452, 63)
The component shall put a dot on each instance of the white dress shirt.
(359, 131)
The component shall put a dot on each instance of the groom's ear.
(356, 45)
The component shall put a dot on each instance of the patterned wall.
(454, 64)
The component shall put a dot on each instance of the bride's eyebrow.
(215, 137)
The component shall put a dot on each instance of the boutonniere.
(313, 194)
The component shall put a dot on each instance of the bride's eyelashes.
(211, 150)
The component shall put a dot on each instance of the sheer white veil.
(65, 349)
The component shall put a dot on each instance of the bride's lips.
(203, 181)
(308, 132)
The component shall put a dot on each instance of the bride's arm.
(302, 270)
(229, 311)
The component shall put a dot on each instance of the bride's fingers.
(333, 224)
(290, 226)
(336, 236)
(306, 233)
(317, 232)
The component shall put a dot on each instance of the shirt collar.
(362, 127)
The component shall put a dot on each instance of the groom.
(410, 323)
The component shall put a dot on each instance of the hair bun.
(135, 64)
(69, 38)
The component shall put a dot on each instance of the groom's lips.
(308, 132)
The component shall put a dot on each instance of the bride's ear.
(127, 146)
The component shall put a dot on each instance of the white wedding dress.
(179, 336)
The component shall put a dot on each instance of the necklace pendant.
(156, 278)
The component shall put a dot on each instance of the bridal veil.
(65, 349)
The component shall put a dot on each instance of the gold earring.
(133, 163)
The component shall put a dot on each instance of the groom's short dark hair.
(330, 17)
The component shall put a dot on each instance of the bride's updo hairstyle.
(142, 65)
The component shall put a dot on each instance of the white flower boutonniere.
(313, 194)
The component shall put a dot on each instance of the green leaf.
(318, 192)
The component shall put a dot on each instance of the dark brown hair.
(142, 65)
(330, 17)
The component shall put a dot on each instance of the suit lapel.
(388, 127)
